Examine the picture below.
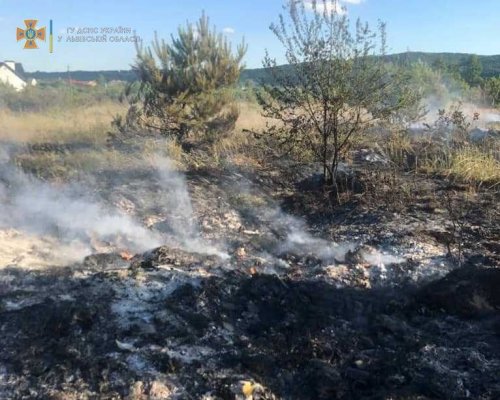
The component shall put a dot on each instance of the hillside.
(491, 64)
(491, 67)
(121, 75)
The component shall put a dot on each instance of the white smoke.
(299, 241)
(491, 117)
(80, 219)
(379, 259)
(68, 213)
(433, 105)
(177, 205)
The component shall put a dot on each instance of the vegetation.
(185, 85)
(441, 84)
(109, 76)
(453, 63)
(339, 92)
(46, 97)
(476, 166)
(445, 148)
(492, 88)
(334, 88)
(64, 124)
(456, 61)
(354, 269)
(473, 71)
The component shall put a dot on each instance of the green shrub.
(186, 86)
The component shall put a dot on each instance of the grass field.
(60, 125)
(90, 124)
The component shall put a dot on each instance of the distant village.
(12, 74)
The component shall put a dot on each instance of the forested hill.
(491, 67)
(121, 75)
(490, 64)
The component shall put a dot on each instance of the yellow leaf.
(247, 388)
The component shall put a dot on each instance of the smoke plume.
(74, 214)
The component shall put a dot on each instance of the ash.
(207, 292)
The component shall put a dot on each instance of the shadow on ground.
(111, 332)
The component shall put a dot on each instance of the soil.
(303, 299)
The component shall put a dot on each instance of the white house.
(12, 73)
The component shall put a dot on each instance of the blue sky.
(416, 25)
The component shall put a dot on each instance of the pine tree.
(185, 85)
(473, 70)
(492, 88)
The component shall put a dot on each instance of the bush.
(336, 86)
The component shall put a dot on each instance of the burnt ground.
(394, 310)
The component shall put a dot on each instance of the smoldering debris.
(201, 336)
(176, 203)
(75, 215)
(291, 314)
(293, 237)
(69, 213)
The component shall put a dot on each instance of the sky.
(416, 25)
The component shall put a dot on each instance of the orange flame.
(126, 255)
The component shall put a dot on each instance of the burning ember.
(126, 255)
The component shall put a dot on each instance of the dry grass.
(471, 164)
(64, 166)
(397, 146)
(164, 147)
(88, 124)
(250, 118)
(474, 165)
(231, 144)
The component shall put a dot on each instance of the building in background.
(12, 73)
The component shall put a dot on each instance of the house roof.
(19, 71)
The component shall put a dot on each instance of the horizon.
(246, 67)
(415, 26)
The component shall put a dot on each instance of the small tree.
(473, 70)
(334, 87)
(185, 85)
(439, 64)
(492, 88)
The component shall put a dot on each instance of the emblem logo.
(31, 34)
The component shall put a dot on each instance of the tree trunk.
(334, 166)
(325, 161)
